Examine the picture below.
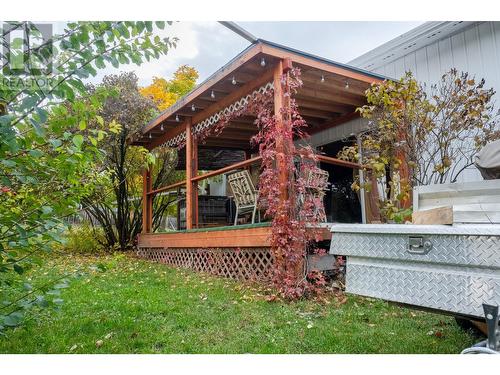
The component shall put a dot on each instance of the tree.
(166, 92)
(116, 202)
(419, 137)
(47, 153)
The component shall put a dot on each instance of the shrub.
(84, 239)
(421, 136)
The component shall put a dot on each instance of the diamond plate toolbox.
(449, 268)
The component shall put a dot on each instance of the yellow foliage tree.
(166, 92)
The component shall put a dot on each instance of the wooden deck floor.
(254, 235)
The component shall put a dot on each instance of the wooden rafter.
(247, 69)
(226, 71)
(216, 107)
(318, 64)
(339, 98)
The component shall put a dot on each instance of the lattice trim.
(202, 126)
(229, 110)
(175, 141)
(241, 264)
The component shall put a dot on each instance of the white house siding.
(338, 132)
(475, 49)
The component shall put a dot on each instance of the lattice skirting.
(241, 264)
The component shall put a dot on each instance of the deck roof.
(322, 102)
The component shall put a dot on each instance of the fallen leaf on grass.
(74, 347)
(271, 298)
(247, 298)
(341, 300)
(99, 343)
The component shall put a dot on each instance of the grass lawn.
(141, 307)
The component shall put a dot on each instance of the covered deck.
(329, 96)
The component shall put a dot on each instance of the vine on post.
(287, 200)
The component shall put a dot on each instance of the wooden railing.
(168, 187)
(229, 168)
(246, 163)
(339, 162)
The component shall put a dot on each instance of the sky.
(207, 46)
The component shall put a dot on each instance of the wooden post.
(147, 202)
(373, 198)
(361, 180)
(284, 144)
(403, 170)
(404, 175)
(189, 175)
(178, 209)
(280, 141)
(195, 183)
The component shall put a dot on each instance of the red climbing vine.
(288, 173)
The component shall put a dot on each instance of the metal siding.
(459, 51)
(410, 62)
(338, 132)
(379, 70)
(469, 49)
(433, 63)
(399, 67)
(473, 51)
(489, 54)
(390, 70)
(422, 72)
(445, 52)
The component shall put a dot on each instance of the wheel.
(470, 325)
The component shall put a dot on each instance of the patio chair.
(314, 182)
(245, 194)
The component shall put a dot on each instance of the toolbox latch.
(419, 245)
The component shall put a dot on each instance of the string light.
(193, 108)
(212, 94)
(346, 85)
(322, 78)
(263, 62)
(177, 118)
(233, 81)
(150, 136)
(161, 127)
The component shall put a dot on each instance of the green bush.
(84, 239)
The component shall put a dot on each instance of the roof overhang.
(419, 37)
(321, 101)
